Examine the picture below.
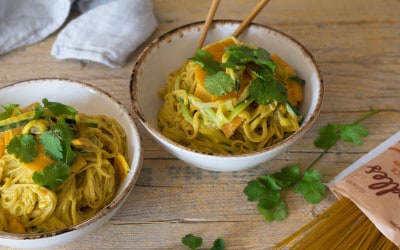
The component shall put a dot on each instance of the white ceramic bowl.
(86, 99)
(167, 53)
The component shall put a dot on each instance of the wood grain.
(356, 45)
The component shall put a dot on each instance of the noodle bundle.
(38, 195)
(202, 112)
(365, 216)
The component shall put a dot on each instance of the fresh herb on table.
(195, 242)
(269, 190)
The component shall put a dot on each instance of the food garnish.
(195, 242)
(269, 190)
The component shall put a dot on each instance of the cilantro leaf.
(328, 136)
(192, 241)
(309, 183)
(331, 133)
(352, 133)
(266, 190)
(206, 61)
(287, 176)
(59, 108)
(297, 79)
(311, 187)
(218, 244)
(64, 132)
(254, 190)
(242, 55)
(24, 147)
(8, 111)
(39, 112)
(219, 83)
(278, 212)
(264, 89)
(265, 92)
(238, 56)
(270, 199)
(52, 176)
(263, 186)
(52, 145)
(263, 73)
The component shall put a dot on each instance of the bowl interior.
(86, 99)
(171, 50)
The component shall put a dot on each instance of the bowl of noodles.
(70, 154)
(233, 104)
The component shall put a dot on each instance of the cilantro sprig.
(9, 109)
(269, 190)
(264, 88)
(52, 176)
(55, 141)
(24, 147)
(195, 242)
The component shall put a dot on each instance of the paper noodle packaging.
(373, 184)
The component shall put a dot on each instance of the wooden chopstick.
(210, 16)
(261, 4)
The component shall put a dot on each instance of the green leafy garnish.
(219, 83)
(242, 55)
(266, 189)
(206, 61)
(63, 131)
(218, 244)
(55, 142)
(277, 212)
(330, 133)
(310, 186)
(264, 88)
(52, 145)
(297, 79)
(269, 189)
(59, 108)
(39, 112)
(52, 176)
(264, 92)
(194, 242)
(24, 147)
(9, 109)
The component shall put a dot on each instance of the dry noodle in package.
(366, 214)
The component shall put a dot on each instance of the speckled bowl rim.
(166, 36)
(117, 200)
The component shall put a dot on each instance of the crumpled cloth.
(106, 31)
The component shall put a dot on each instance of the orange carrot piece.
(294, 88)
(2, 147)
(229, 128)
(217, 50)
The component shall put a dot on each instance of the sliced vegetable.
(121, 166)
(39, 162)
(16, 121)
(293, 83)
(35, 127)
(229, 128)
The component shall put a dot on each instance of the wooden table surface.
(357, 47)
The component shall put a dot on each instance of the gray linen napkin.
(106, 31)
(25, 22)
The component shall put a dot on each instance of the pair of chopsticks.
(211, 12)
